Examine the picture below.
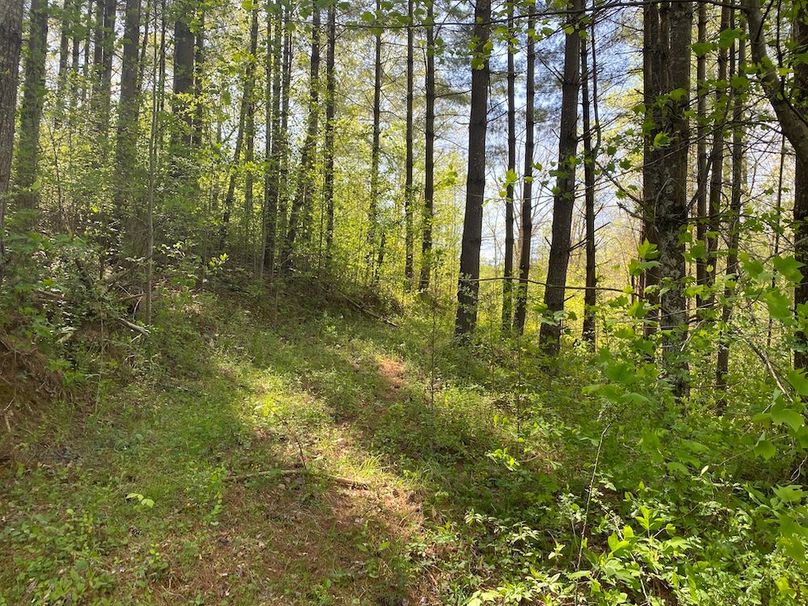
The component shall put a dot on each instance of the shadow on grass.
(133, 500)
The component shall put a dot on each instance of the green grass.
(162, 489)
(213, 465)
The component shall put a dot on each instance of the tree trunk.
(701, 154)
(468, 284)
(106, 13)
(283, 140)
(429, 150)
(654, 59)
(128, 109)
(10, 42)
(564, 196)
(299, 215)
(408, 189)
(526, 224)
(273, 126)
(373, 208)
(672, 205)
(183, 85)
(249, 129)
(331, 85)
(33, 100)
(590, 294)
(717, 162)
(733, 231)
(510, 178)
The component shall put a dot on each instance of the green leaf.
(779, 306)
(788, 416)
(789, 267)
(798, 381)
(790, 494)
(765, 449)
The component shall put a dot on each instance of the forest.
(404, 302)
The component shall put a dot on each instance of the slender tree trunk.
(183, 85)
(229, 199)
(375, 149)
(10, 43)
(299, 215)
(249, 128)
(526, 224)
(33, 101)
(331, 85)
(590, 294)
(106, 13)
(468, 285)
(272, 178)
(283, 140)
(199, 118)
(409, 237)
(128, 106)
(564, 196)
(654, 59)
(733, 228)
(429, 151)
(701, 153)
(65, 30)
(510, 178)
(717, 162)
(778, 216)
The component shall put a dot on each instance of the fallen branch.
(347, 482)
(137, 328)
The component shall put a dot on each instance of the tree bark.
(409, 236)
(331, 85)
(249, 129)
(590, 294)
(564, 196)
(183, 84)
(526, 224)
(375, 148)
(272, 174)
(733, 231)
(128, 109)
(468, 284)
(33, 101)
(507, 282)
(10, 43)
(672, 206)
(429, 151)
(299, 214)
(701, 155)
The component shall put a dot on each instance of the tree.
(183, 84)
(590, 153)
(733, 219)
(375, 149)
(300, 214)
(249, 127)
(272, 183)
(510, 177)
(330, 100)
(468, 285)
(10, 43)
(429, 150)
(409, 235)
(564, 193)
(128, 109)
(526, 223)
(33, 101)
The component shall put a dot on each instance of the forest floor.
(258, 456)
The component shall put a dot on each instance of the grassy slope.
(225, 393)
